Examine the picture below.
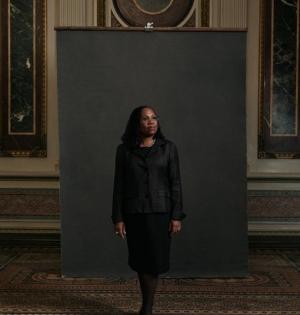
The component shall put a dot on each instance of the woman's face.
(148, 122)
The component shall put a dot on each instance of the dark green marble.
(285, 35)
(22, 65)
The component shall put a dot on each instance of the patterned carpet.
(30, 283)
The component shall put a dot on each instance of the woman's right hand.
(120, 229)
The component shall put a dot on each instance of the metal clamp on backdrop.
(149, 27)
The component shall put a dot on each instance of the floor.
(30, 283)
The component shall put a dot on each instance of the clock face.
(153, 6)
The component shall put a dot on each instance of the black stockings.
(148, 283)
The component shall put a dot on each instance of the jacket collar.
(155, 147)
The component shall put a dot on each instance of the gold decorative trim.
(153, 13)
(285, 155)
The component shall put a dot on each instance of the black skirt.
(148, 241)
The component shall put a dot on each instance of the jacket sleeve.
(175, 184)
(118, 187)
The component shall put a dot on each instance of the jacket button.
(146, 196)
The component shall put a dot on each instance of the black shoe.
(144, 312)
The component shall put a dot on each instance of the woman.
(147, 198)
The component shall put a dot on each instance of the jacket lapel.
(158, 142)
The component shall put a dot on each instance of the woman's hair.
(132, 136)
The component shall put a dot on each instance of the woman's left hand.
(175, 226)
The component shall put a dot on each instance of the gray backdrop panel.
(196, 81)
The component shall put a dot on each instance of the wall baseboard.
(53, 240)
(36, 225)
(29, 239)
(53, 226)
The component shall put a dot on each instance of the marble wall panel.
(23, 76)
(279, 133)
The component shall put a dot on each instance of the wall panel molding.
(228, 13)
(37, 226)
(77, 13)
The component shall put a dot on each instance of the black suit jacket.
(162, 172)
